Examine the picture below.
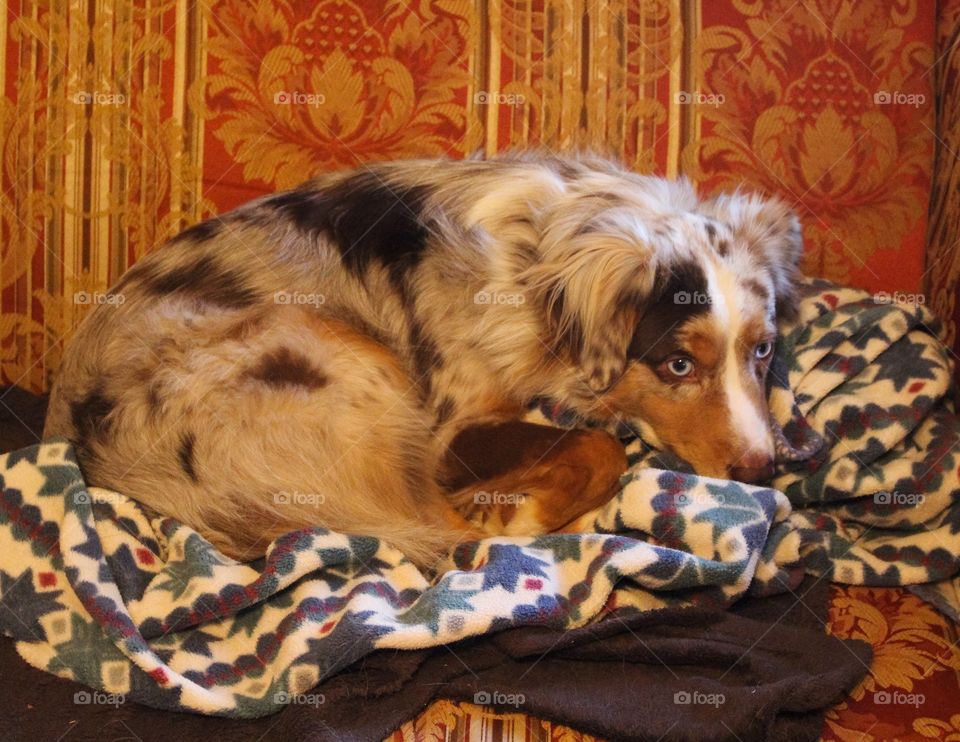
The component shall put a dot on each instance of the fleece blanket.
(142, 608)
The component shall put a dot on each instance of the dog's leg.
(518, 478)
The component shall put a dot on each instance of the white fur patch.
(727, 306)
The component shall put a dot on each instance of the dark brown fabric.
(769, 659)
(21, 418)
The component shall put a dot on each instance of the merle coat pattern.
(308, 359)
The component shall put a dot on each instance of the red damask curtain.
(123, 122)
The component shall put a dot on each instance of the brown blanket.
(763, 671)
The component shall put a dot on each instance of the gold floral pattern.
(179, 110)
(299, 89)
(829, 105)
(912, 684)
(930, 728)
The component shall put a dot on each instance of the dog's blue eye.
(763, 349)
(680, 366)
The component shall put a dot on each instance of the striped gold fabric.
(102, 156)
(121, 122)
(943, 252)
(446, 721)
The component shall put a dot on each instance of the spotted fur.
(308, 358)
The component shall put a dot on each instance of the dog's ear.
(589, 291)
(773, 237)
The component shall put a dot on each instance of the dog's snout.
(753, 468)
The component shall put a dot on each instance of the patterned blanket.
(143, 608)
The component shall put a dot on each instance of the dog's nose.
(753, 469)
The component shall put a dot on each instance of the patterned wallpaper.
(122, 122)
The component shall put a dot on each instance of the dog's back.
(273, 368)
(240, 377)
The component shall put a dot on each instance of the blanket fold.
(669, 674)
(377, 694)
(95, 589)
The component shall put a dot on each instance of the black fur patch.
(757, 289)
(368, 221)
(426, 356)
(445, 410)
(200, 232)
(711, 231)
(565, 168)
(89, 416)
(141, 271)
(154, 399)
(286, 368)
(569, 336)
(679, 295)
(358, 322)
(185, 454)
(205, 280)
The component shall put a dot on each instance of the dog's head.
(666, 309)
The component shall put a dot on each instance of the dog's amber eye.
(680, 366)
(763, 349)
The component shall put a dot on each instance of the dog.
(355, 353)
